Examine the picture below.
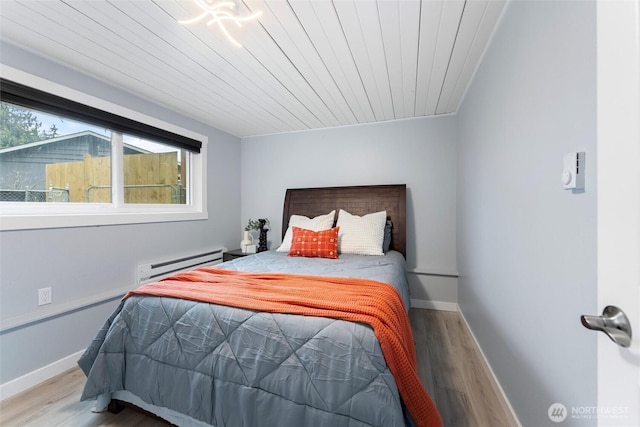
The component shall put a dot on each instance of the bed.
(201, 361)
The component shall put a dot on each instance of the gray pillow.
(386, 242)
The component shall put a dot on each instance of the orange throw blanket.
(374, 303)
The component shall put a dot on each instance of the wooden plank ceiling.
(303, 64)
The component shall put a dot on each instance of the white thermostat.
(573, 171)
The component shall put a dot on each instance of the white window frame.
(24, 216)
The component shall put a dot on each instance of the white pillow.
(319, 223)
(361, 235)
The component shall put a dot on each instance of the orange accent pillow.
(308, 243)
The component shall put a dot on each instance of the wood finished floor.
(450, 366)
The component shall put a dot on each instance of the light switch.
(573, 167)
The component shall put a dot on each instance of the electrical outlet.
(44, 296)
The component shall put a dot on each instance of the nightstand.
(233, 254)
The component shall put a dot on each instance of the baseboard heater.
(157, 270)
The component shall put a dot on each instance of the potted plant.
(254, 224)
(261, 225)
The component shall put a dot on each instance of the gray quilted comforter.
(233, 367)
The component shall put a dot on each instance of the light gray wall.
(419, 152)
(526, 247)
(81, 262)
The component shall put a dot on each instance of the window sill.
(68, 220)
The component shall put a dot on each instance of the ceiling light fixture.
(220, 12)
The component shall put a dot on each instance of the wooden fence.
(148, 178)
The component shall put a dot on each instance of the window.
(46, 158)
(153, 172)
(61, 157)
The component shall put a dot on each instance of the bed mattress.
(227, 366)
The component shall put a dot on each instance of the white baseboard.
(434, 305)
(38, 376)
(495, 379)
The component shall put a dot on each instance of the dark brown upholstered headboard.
(358, 200)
